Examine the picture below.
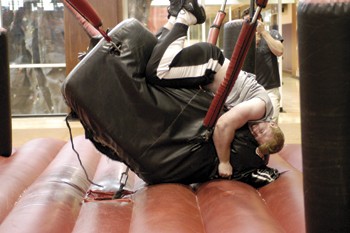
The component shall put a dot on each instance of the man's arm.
(227, 125)
(275, 46)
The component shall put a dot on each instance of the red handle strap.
(85, 9)
(261, 3)
(237, 59)
(215, 27)
(90, 30)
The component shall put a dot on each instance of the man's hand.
(226, 126)
(260, 27)
(275, 46)
(225, 169)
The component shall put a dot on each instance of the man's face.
(262, 131)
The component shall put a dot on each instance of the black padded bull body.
(156, 131)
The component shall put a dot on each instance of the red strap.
(261, 3)
(87, 11)
(84, 8)
(237, 59)
(215, 27)
(90, 30)
(100, 195)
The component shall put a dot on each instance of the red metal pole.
(215, 27)
(88, 27)
(237, 59)
(85, 9)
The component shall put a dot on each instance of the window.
(35, 31)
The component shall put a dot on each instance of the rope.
(76, 152)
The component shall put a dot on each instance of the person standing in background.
(269, 46)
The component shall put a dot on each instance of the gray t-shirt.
(267, 73)
(246, 88)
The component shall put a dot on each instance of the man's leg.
(275, 97)
(218, 77)
(173, 66)
(166, 28)
(170, 42)
(165, 50)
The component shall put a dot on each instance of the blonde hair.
(275, 144)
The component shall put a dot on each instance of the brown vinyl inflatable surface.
(44, 189)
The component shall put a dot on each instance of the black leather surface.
(156, 131)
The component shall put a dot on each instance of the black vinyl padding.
(156, 131)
